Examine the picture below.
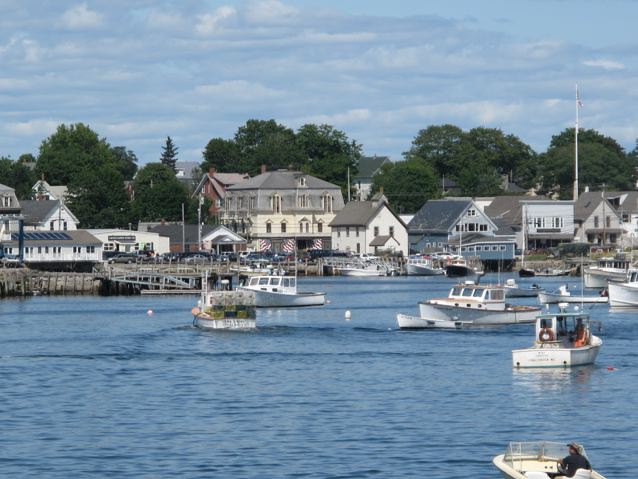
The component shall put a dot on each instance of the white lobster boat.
(624, 294)
(468, 305)
(423, 266)
(280, 292)
(563, 295)
(231, 310)
(562, 339)
(606, 269)
(536, 460)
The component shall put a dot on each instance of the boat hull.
(459, 271)
(203, 321)
(360, 272)
(526, 273)
(539, 357)
(421, 270)
(519, 292)
(551, 298)
(476, 317)
(269, 299)
(623, 295)
(594, 278)
(508, 472)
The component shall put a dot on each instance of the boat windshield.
(263, 281)
(468, 292)
(254, 281)
(518, 452)
(274, 281)
(456, 292)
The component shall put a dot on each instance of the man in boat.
(568, 466)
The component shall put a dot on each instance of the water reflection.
(552, 379)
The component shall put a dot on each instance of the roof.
(361, 213)
(627, 201)
(222, 235)
(473, 238)
(282, 180)
(67, 237)
(370, 165)
(35, 212)
(439, 215)
(174, 232)
(588, 202)
(228, 179)
(382, 240)
(507, 210)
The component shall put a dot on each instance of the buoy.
(328, 301)
(348, 315)
(149, 312)
(610, 368)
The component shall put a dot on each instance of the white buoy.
(348, 315)
(149, 312)
(328, 301)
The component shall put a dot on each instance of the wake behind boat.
(280, 292)
(468, 305)
(563, 295)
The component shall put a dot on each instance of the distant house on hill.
(188, 173)
(368, 167)
(596, 220)
(42, 190)
(213, 186)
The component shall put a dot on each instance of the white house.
(130, 241)
(597, 221)
(369, 227)
(42, 190)
(547, 223)
(49, 215)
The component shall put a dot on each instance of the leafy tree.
(440, 146)
(329, 153)
(407, 184)
(169, 154)
(223, 155)
(17, 176)
(26, 158)
(159, 195)
(127, 161)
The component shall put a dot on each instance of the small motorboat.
(535, 460)
(526, 273)
(563, 295)
(562, 339)
(280, 292)
(461, 267)
(553, 272)
(514, 290)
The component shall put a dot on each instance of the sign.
(122, 238)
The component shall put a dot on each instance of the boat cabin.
(613, 264)
(563, 328)
(273, 283)
(476, 292)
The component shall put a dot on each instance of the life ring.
(546, 334)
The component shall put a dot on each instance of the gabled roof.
(588, 202)
(282, 180)
(627, 200)
(361, 213)
(370, 165)
(507, 210)
(35, 212)
(57, 191)
(67, 237)
(220, 181)
(439, 215)
(229, 179)
(222, 235)
(174, 232)
(382, 240)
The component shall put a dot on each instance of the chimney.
(212, 171)
(163, 221)
(263, 169)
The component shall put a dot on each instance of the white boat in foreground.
(468, 305)
(606, 269)
(563, 295)
(231, 310)
(624, 294)
(423, 266)
(562, 339)
(535, 460)
(280, 292)
(514, 290)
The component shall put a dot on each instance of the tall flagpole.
(576, 147)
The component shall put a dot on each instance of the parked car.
(123, 258)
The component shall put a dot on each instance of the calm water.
(93, 387)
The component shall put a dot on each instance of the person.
(568, 466)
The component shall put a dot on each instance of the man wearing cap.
(569, 465)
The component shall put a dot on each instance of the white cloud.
(237, 89)
(164, 20)
(209, 23)
(604, 64)
(269, 11)
(343, 118)
(32, 127)
(81, 17)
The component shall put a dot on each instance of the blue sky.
(139, 70)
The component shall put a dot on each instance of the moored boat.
(514, 290)
(462, 267)
(624, 294)
(423, 266)
(562, 339)
(468, 305)
(231, 310)
(563, 295)
(606, 269)
(536, 460)
(280, 292)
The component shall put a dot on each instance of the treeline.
(108, 189)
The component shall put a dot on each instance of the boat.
(552, 272)
(526, 273)
(461, 267)
(280, 292)
(563, 295)
(423, 266)
(535, 460)
(562, 339)
(360, 270)
(232, 310)
(606, 269)
(624, 294)
(514, 290)
(468, 305)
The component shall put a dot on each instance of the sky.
(137, 71)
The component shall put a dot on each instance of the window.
(320, 227)
(326, 203)
(538, 222)
(276, 203)
(347, 231)
(6, 201)
(218, 203)
(376, 231)
(302, 181)
(307, 227)
(502, 247)
(357, 232)
(302, 201)
(240, 203)
(46, 250)
(338, 232)
(608, 221)
(494, 247)
(391, 230)
(51, 225)
(471, 212)
(482, 227)
(557, 222)
(283, 226)
(252, 202)
(65, 226)
(358, 247)
(268, 227)
(479, 248)
(595, 221)
(39, 249)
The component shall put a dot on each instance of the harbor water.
(97, 387)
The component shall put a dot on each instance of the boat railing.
(518, 452)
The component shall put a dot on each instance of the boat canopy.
(478, 292)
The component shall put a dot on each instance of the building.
(497, 253)
(368, 167)
(213, 186)
(186, 238)
(129, 241)
(547, 223)
(42, 190)
(369, 227)
(47, 215)
(438, 221)
(596, 220)
(507, 213)
(626, 205)
(188, 173)
(278, 206)
(10, 210)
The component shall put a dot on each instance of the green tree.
(223, 155)
(169, 154)
(127, 161)
(440, 146)
(17, 176)
(407, 184)
(159, 195)
(329, 153)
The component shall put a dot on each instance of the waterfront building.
(368, 167)
(596, 220)
(47, 215)
(547, 223)
(213, 186)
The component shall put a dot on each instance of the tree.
(221, 154)
(407, 184)
(18, 176)
(159, 195)
(127, 161)
(169, 154)
(328, 153)
(440, 146)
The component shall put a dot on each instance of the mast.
(578, 105)
(524, 235)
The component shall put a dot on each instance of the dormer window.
(304, 201)
(326, 203)
(302, 181)
(276, 203)
(6, 201)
